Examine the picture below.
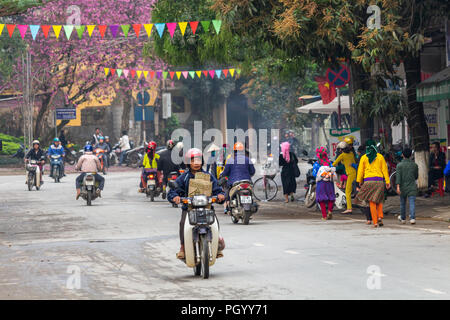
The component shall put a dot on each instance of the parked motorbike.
(20, 153)
(310, 186)
(132, 158)
(242, 205)
(71, 156)
(56, 171)
(100, 154)
(33, 176)
(153, 186)
(89, 188)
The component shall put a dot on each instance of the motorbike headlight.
(200, 201)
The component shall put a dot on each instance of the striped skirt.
(371, 191)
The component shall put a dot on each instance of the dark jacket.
(38, 156)
(238, 168)
(437, 161)
(406, 176)
(165, 162)
(182, 189)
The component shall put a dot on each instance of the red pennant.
(102, 30)
(205, 73)
(113, 71)
(133, 73)
(225, 72)
(10, 28)
(137, 29)
(45, 29)
(152, 74)
(194, 25)
(172, 73)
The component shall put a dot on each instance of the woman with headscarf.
(288, 161)
(372, 174)
(325, 177)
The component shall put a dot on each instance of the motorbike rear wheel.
(247, 216)
(89, 198)
(133, 160)
(205, 257)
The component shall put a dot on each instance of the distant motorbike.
(132, 157)
(33, 176)
(20, 153)
(100, 154)
(56, 171)
(71, 156)
(242, 204)
(89, 188)
(171, 178)
(310, 186)
(154, 188)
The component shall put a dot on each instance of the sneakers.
(401, 220)
(412, 221)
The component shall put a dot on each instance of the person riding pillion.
(89, 163)
(57, 149)
(149, 163)
(194, 162)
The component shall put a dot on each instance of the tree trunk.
(38, 124)
(126, 111)
(416, 120)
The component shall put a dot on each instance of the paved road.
(123, 247)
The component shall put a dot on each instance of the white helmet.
(36, 142)
(342, 145)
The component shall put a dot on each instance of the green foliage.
(13, 7)
(171, 124)
(10, 144)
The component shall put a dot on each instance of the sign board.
(431, 117)
(338, 78)
(149, 114)
(338, 135)
(167, 105)
(66, 114)
(143, 100)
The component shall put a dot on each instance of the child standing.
(405, 179)
(325, 194)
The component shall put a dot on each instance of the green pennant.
(165, 73)
(68, 30)
(205, 25)
(119, 72)
(238, 71)
(80, 31)
(125, 29)
(192, 74)
(217, 24)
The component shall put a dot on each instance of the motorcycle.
(171, 178)
(20, 153)
(132, 157)
(242, 205)
(310, 186)
(34, 176)
(56, 167)
(100, 154)
(89, 188)
(153, 186)
(71, 156)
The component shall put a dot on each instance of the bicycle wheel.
(265, 191)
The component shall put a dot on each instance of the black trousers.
(433, 176)
(79, 180)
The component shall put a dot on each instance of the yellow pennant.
(57, 30)
(148, 28)
(199, 73)
(139, 73)
(90, 29)
(232, 72)
(106, 71)
(1, 28)
(183, 26)
(178, 74)
(145, 74)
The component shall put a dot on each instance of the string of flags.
(173, 75)
(114, 29)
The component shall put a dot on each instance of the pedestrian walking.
(347, 158)
(371, 177)
(288, 161)
(325, 177)
(405, 179)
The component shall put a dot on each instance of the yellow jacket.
(347, 159)
(378, 168)
(146, 162)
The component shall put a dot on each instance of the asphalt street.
(124, 246)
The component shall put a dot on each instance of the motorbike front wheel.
(234, 219)
(89, 198)
(310, 197)
(56, 174)
(30, 181)
(205, 257)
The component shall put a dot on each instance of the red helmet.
(151, 146)
(192, 153)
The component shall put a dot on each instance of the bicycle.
(265, 188)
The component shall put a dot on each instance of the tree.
(13, 7)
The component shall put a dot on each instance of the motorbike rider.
(124, 145)
(57, 149)
(37, 154)
(89, 163)
(150, 161)
(166, 163)
(194, 163)
(96, 136)
(104, 146)
(237, 168)
(110, 148)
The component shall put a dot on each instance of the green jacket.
(406, 176)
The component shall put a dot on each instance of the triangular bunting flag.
(199, 74)
(10, 28)
(68, 29)
(137, 29)
(205, 72)
(57, 30)
(211, 73)
(114, 29)
(139, 73)
(1, 28)
(22, 30)
(152, 74)
(192, 74)
(183, 26)
(119, 73)
(148, 28)
(171, 74)
(218, 73)
(113, 71)
(185, 74)
(160, 28)
(232, 72)
(133, 73)
(225, 72)
(80, 31)
(145, 74)
(217, 24)
(158, 75)
(171, 26)
(45, 30)
(205, 25)
(125, 29)
(106, 71)
(90, 29)
(193, 25)
(102, 29)
(178, 75)
(126, 72)
(238, 71)
(165, 73)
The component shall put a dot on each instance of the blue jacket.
(447, 170)
(238, 168)
(182, 189)
(54, 150)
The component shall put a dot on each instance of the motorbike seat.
(242, 181)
